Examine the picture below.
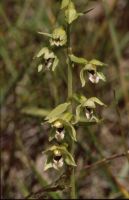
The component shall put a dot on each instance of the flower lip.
(48, 60)
(57, 158)
(91, 71)
(60, 129)
(57, 39)
(88, 112)
(89, 109)
(94, 78)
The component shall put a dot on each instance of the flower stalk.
(63, 117)
(70, 93)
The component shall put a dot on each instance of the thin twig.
(105, 160)
(120, 124)
(42, 191)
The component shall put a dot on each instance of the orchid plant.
(63, 118)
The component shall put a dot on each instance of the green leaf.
(58, 110)
(101, 76)
(71, 13)
(36, 112)
(78, 60)
(84, 122)
(64, 3)
(89, 66)
(78, 111)
(71, 131)
(55, 63)
(48, 166)
(70, 160)
(89, 103)
(42, 51)
(82, 78)
(52, 134)
(68, 157)
(46, 34)
(67, 116)
(40, 67)
(79, 98)
(50, 150)
(96, 100)
(95, 118)
(97, 63)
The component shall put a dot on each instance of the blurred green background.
(26, 96)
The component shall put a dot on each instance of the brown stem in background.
(105, 160)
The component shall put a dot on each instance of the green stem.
(70, 86)
(70, 91)
(72, 180)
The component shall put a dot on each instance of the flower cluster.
(61, 119)
(62, 132)
(47, 58)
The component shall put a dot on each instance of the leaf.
(78, 60)
(79, 98)
(85, 12)
(64, 3)
(52, 134)
(90, 67)
(95, 118)
(89, 103)
(101, 76)
(42, 51)
(78, 110)
(71, 13)
(96, 100)
(47, 166)
(83, 81)
(55, 63)
(50, 149)
(46, 34)
(33, 111)
(84, 122)
(40, 67)
(72, 131)
(70, 160)
(97, 63)
(68, 157)
(58, 110)
(67, 116)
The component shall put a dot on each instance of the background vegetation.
(26, 97)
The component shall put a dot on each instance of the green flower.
(92, 69)
(87, 105)
(57, 156)
(58, 37)
(48, 59)
(62, 129)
